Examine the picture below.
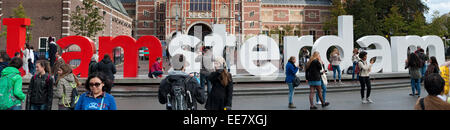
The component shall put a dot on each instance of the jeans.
(415, 85)
(338, 69)
(324, 92)
(353, 75)
(365, 82)
(423, 70)
(31, 68)
(204, 80)
(38, 106)
(291, 92)
(157, 73)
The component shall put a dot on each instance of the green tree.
(289, 29)
(437, 26)
(86, 20)
(19, 12)
(273, 30)
(394, 23)
(336, 10)
(299, 29)
(367, 23)
(407, 8)
(418, 26)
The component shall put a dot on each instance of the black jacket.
(220, 96)
(40, 91)
(52, 49)
(313, 72)
(191, 84)
(107, 67)
(92, 67)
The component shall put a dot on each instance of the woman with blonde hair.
(291, 70)
(313, 77)
(335, 59)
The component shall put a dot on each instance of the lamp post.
(176, 24)
(240, 28)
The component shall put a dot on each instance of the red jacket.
(155, 67)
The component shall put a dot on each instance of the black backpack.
(296, 82)
(179, 96)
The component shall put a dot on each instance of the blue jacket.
(291, 70)
(88, 102)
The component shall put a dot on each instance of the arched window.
(200, 5)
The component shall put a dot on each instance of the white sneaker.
(319, 103)
(364, 101)
(369, 101)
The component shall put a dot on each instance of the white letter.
(293, 44)
(344, 42)
(176, 47)
(382, 52)
(435, 47)
(247, 56)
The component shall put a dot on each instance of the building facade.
(52, 18)
(164, 18)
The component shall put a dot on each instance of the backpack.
(296, 82)
(179, 96)
(46, 80)
(422, 104)
(7, 97)
(73, 99)
(357, 69)
(330, 68)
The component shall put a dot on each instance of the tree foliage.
(19, 12)
(394, 23)
(336, 10)
(86, 20)
(391, 17)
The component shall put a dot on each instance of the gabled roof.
(128, 1)
(116, 5)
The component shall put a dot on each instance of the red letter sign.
(87, 50)
(130, 48)
(16, 35)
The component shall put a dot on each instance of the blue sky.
(443, 6)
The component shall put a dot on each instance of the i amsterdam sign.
(390, 57)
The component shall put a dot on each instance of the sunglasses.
(94, 84)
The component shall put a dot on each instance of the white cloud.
(443, 6)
